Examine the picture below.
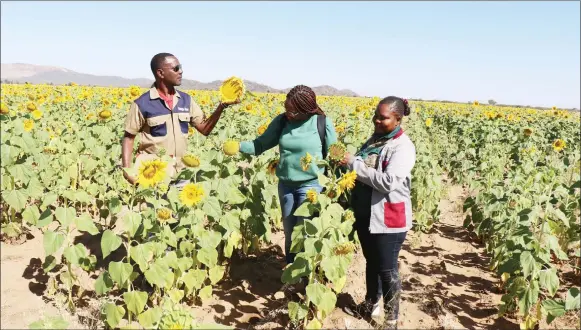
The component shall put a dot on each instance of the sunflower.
(191, 194)
(163, 215)
(347, 181)
(191, 161)
(429, 122)
(151, 172)
(340, 128)
(337, 151)
(306, 161)
(105, 114)
(191, 131)
(559, 145)
(231, 147)
(28, 125)
(4, 109)
(232, 89)
(528, 132)
(344, 249)
(37, 114)
(261, 129)
(475, 103)
(271, 168)
(312, 196)
(31, 106)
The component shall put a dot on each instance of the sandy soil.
(446, 285)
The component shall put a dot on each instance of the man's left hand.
(227, 104)
(345, 159)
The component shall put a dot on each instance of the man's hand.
(129, 178)
(227, 104)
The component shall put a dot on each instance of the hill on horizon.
(39, 74)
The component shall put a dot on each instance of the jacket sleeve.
(269, 139)
(394, 178)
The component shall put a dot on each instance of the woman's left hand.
(345, 159)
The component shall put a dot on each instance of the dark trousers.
(381, 252)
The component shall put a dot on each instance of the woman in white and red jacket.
(381, 201)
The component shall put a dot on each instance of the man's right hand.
(129, 178)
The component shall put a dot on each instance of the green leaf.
(310, 227)
(216, 274)
(114, 314)
(529, 264)
(65, 216)
(553, 308)
(297, 311)
(85, 223)
(49, 199)
(54, 322)
(194, 279)
(293, 272)
(103, 284)
(205, 293)
(208, 256)
(76, 253)
(212, 208)
(142, 254)
(175, 295)
(135, 301)
(209, 239)
(150, 318)
(120, 272)
(573, 302)
(549, 280)
(528, 297)
(306, 210)
(322, 297)
(15, 198)
(109, 242)
(235, 197)
(34, 188)
(52, 242)
(45, 218)
(314, 324)
(131, 222)
(31, 215)
(159, 275)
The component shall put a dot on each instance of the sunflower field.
(161, 250)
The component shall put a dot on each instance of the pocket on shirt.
(157, 126)
(184, 119)
(394, 215)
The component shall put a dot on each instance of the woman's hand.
(345, 159)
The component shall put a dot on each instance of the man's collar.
(154, 93)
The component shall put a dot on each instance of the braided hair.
(397, 105)
(304, 101)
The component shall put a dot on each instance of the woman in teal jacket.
(296, 133)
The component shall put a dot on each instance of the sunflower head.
(261, 129)
(163, 214)
(231, 147)
(559, 145)
(151, 173)
(344, 249)
(347, 181)
(37, 114)
(4, 109)
(232, 89)
(191, 161)
(28, 125)
(528, 132)
(429, 122)
(312, 196)
(337, 151)
(271, 168)
(306, 161)
(105, 114)
(191, 194)
(31, 106)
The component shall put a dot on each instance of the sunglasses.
(177, 68)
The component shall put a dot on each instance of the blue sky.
(513, 52)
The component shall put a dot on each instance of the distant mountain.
(37, 74)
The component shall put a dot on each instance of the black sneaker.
(363, 310)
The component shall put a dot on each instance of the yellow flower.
(306, 161)
(191, 131)
(475, 103)
(191, 161)
(105, 114)
(232, 89)
(554, 108)
(28, 125)
(528, 132)
(31, 106)
(4, 109)
(191, 194)
(340, 128)
(151, 172)
(347, 181)
(312, 196)
(271, 169)
(163, 214)
(261, 129)
(36, 114)
(337, 151)
(429, 122)
(559, 145)
(231, 147)
(344, 248)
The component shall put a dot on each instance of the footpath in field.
(444, 274)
